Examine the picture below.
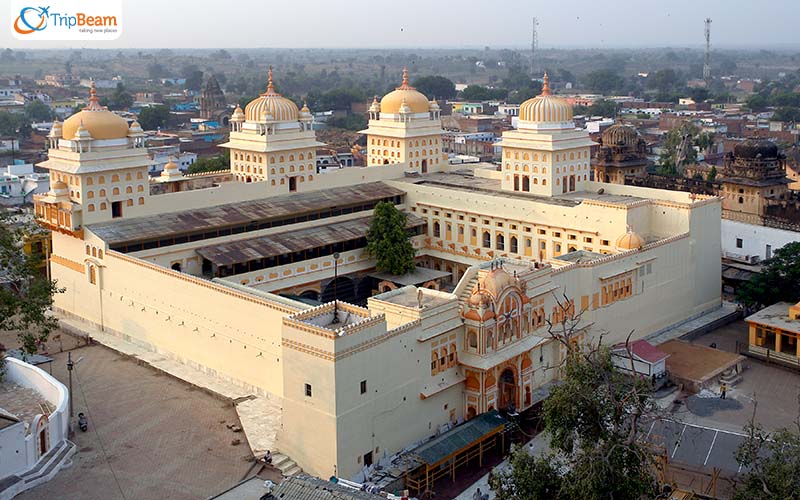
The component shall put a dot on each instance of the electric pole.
(534, 46)
(707, 58)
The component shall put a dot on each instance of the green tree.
(592, 419)
(26, 296)
(119, 100)
(712, 174)
(388, 240)
(210, 164)
(154, 117)
(757, 102)
(14, 125)
(604, 107)
(665, 80)
(787, 114)
(437, 87)
(528, 477)
(778, 281)
(194, 80)
(481, 93)
(603, 81)
(37, 111)
(772, 464)
(351, 121)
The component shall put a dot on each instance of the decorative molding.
(69, 264)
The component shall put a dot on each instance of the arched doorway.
(424, 166)
(507, 388)
(471, 413)
(176, 266)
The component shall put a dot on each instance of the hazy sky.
(419, 23)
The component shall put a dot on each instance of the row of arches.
(443, 358)
(115, 191)
(103, 205)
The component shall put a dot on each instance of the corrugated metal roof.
(205, 219)
(312, 488)
(273, 245)
(460, 437)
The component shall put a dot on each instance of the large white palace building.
(210, 269)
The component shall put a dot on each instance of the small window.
(363, 387)
(604, 243)
(739, 243)
(308, 390)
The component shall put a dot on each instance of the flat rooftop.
(697, 362)
(776, 315)
(154, 227)
(288, 242)
(463, 180)
(22, 402)
(409, 296)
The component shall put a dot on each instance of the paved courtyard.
(150, 436)
(775, 389)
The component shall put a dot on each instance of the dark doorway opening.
(116, 209)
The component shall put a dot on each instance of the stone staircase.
(44, 470)
(730, 377)
(286, 465)
(467, 290)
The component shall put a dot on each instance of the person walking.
(723, 390)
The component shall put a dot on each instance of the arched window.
(129, 203)
(101, 180)
(514, 245)
(291, 157)
(139, 188)
(443, 358)
(89, 181)
(487, 239)
(129, 190)
(472, 339)
(141, 201)
(434, 361)
(115, 178)
(436, 229)
(103, 206)
(115, 191)
(501, 242)
(90, 194)
(128, 176)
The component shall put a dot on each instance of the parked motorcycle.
(83, 423)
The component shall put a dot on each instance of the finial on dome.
(405, 85)
(94, 101)
(545, 84)
(270, 86)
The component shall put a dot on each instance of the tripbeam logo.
(69, 20)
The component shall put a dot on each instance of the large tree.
(771, 464)
(778, 281)
(437, 87)
(154, 117)
(388, 240)
(592, 418)
(25, 295)
(37, 111)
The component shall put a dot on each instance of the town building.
(622, 152)
(212, 103)
(235, 273)
(775, 331)
(19, 182)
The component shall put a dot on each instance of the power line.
(534, 46)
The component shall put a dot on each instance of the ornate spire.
(94, 101)
(270, 86)
(405, 85)
(545, 85)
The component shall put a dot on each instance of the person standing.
(723, 390)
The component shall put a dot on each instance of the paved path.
(259, 416)
(692, 325)
(150, 436)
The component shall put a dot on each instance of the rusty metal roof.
(165, 225)
(273, 245)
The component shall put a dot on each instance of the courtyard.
(150, 436)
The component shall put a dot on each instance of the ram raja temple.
(235, 272)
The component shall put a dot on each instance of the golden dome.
(375, 107)
(545, 108)
(630, 241)
(271, 106)
(171, 165)
(480, 298)
(135, 129)
(498, 280)
(98, 120)
(414, 99)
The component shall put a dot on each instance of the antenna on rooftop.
(707, 58)
(534, 46)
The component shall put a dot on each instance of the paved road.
(150, 436)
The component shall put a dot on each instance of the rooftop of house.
(776, 315)
(22, 402)
(411, 296)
